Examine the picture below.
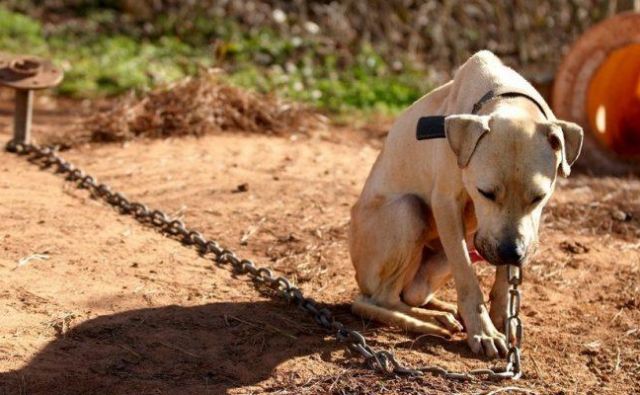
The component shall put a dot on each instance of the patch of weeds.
(103, 53)
(99, 64)
(369, 84)
(112, 65)
(19, 33)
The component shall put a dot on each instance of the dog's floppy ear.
(464, 132)
(566, 137)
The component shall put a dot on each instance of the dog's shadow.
(203, 349)
(209, 348)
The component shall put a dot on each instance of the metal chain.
(382, 361)
(514, 323)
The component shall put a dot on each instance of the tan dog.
(425, 202)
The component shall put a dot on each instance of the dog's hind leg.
(365, 307)
(386, 243)
(440, 305)
(433, 273)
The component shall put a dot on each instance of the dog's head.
(509, 169)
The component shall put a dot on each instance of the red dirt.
(118, 308)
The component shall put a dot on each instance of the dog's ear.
(464, 132)
(566, 137)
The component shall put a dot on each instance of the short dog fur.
(426, 203)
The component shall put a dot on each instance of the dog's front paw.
(499, 313)
(482, 336)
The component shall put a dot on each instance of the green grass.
(100, 65)
(101, 58)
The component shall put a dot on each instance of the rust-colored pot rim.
(586, 55)
(578, 68)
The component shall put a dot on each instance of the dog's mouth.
(480, 252)
(475, 256)
(474, 251)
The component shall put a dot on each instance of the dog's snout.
(511, 252)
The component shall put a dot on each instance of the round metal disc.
(28, 72)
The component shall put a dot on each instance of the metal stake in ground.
(26, 74)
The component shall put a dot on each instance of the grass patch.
(100, 64)
(102, 56)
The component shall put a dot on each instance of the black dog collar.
(492, 95)
(432, 127)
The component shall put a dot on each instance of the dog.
(428, 202)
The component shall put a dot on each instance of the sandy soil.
(93, 302)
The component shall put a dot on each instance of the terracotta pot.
(598, 86)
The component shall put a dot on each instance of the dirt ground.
(93, 302)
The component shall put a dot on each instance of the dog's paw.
(442, 319)
(492, 345)
(449, 321)
(499, 315)
(437, 304)
(482, 336)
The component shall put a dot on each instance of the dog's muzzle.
(511, 252)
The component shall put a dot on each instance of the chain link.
(513, 325)
(382, 361)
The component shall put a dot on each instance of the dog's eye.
(537, 199)
(488, 194)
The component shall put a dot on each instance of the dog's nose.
(511, 252)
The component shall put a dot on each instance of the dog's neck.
(432, 127)
(509, 94)
(518, 107)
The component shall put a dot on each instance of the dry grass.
(197, 106)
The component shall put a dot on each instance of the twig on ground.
(176, 348)
(27, 259)
(536, 367)
(130, 350)
(262, 325)
(427, 335)
(616, 315)
(246, 235)
(516, 389)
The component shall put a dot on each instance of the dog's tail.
(366, 308)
